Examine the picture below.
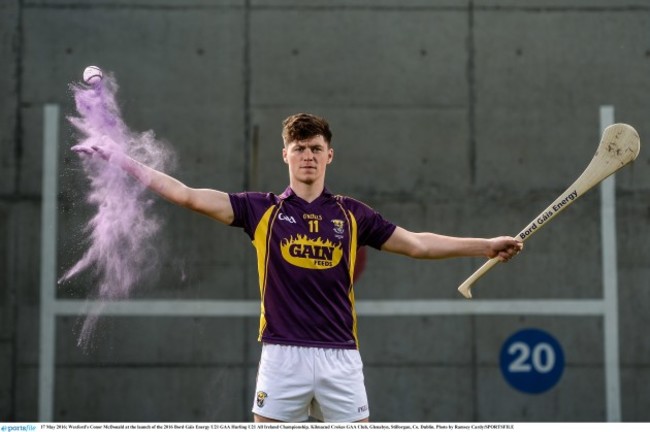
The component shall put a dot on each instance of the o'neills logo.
(309, 253)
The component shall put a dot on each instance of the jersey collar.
(290, 194)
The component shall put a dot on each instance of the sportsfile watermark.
(18, 427)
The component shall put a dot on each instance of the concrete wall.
(460, 117)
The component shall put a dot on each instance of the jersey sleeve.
(373, 229)
(248, 208)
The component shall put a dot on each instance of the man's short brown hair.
(302, 126)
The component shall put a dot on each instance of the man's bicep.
(402, 242)
(212, 203)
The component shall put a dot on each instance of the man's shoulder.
(256, 202)
(352, 204)
(256, 196)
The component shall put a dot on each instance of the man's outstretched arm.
(210, 202)
(436, 246)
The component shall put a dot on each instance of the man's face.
(307, 159)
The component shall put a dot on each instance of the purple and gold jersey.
(305, 261)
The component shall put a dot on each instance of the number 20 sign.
(532, 361)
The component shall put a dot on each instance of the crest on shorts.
(261, 398)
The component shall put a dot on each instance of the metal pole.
(610, 283)
(48, 262)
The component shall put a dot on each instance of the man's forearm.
(436, 246)
(426, 245)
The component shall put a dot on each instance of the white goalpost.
(610, 282)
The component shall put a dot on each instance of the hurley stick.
(618, 147)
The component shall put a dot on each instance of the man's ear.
(284, 155)
(330, 154)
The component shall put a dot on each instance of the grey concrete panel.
(209, 264)
(402, 152)
(137, 394)
(634, 301)
(6, 373)
(253, 346)
(152, 394)
(192, 341)
(578, 397)
(6, 268)
(7, 327)
(380, 58)
(149, 4)
(364, 4)
(419, 394)
(251, 289)
(250, 378)
(397, 341)
(398, 152)
(28, 332)
(632, 228)
(183, 4)
(25, 253)
(202, 240)
(249, 390)
(145, 341)
(581, 338)
(8, 86)
(563, 5)
(538, 96)
(189, 57)
(635, 388)
(31, 164)
(7, 314)
(26, 400)
(633, 277)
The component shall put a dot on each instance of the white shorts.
(296, 382)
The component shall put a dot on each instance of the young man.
(306, 241)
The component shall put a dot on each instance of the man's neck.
(308, 192)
